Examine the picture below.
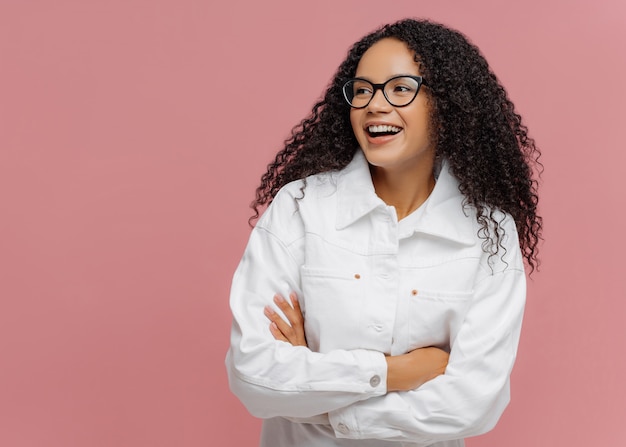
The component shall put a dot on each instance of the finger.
(292, 311)
(276, 333)
(294, 302)
(286, 330)
(294, 315)
(295, 332)
(299, 327)
(288, 311)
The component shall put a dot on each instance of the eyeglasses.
(400, 91)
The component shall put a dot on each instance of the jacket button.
(414, 292)
(375, 381)
(343, 428)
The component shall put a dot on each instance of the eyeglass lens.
(399, 91)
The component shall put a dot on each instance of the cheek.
(354, 121)
(419, 120)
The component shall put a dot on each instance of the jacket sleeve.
(273, 378)
(472, 394)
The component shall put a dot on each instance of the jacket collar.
(443, 216)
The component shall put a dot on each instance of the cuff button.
(375, 381)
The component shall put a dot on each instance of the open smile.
(382, 130)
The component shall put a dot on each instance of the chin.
(382, 157)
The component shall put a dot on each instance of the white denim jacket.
(371, 286)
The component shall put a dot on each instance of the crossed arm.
(419, 400)
(404, 372)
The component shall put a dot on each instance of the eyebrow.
(367, 78)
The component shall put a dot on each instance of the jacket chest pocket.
(438, 297)
(435, 317)
(332, 302)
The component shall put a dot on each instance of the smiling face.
(393, 138)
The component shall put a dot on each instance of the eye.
(402, 89)
(360, 90)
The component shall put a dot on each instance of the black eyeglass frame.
(419, 79)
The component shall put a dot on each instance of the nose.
(379, 103)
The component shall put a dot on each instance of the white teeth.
(383, 128)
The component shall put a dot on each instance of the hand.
(410, 371)
(292, 332)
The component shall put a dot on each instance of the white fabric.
(370, 286)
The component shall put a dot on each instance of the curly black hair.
(477, 131)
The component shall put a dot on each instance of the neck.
(404, 190)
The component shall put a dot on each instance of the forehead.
(385, 59)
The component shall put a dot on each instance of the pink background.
(132, 136)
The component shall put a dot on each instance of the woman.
(401, 212)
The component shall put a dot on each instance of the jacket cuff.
(343, 421)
